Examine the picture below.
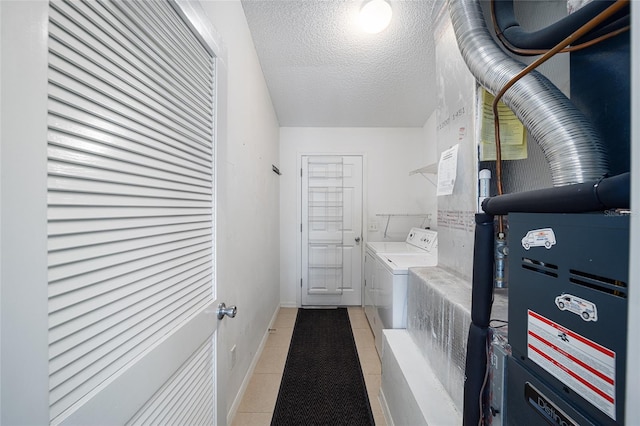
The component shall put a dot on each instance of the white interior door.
(132, 291)
(331, 230)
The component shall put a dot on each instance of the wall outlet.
(234, 356)
(373, 226)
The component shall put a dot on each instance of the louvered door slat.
(170, 399)
(76, 240)
(67, 368)
(66, 61)
(172, 23)
(83, 56)
(122, 61)
(64, 352)
(131, 33)
(70, 185)
(87, 312)
(130, 196)
(129, 69)
(168, 22)
(106, 102)
(61, 169)
(63, 305)
(65, 228)
(82, 257)
(162, 41)
(82, 213)
(107, 152)
(69, 270)
(78, 19)
(153, 47)
(118, 351)
(78, 283)
(68, 74)
(180, 395)
(199, 392)
(183, 406)
(84, 199)
(172, 139)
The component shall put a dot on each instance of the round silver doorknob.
(231, 311)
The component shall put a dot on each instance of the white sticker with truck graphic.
(577, 305)
(543, 237)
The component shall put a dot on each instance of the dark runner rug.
(322, 383)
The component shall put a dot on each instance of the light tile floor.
(256, 407)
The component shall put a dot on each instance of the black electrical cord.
(484, 382)
(503, 322)
(486, 371)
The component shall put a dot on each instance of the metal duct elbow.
(568, 140)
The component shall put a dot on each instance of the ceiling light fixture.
(375, 16)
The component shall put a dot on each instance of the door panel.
(331, 229)
(190, 387)
(352, 231)
(132, 294)
(123, 395)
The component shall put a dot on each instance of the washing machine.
(386, 275)
(410, 245)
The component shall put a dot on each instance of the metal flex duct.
(568, 140)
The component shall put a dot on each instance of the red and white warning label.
(585, 366)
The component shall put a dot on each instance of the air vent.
(596, 282)
(540, 267)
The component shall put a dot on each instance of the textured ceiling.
(323, 71)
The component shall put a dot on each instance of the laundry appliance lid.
(418, 241)
(392, 247)
(399, 264)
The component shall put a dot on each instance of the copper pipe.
(580, 32)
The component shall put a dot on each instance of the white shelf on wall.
(426, 216)
(426, 172)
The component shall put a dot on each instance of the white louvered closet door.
(130, 210)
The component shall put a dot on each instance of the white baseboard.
(385, 408)
(247, 378)
(289, 305)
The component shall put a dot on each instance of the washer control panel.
(426, 239)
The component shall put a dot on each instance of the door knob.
(357, 240)
(231, 311)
